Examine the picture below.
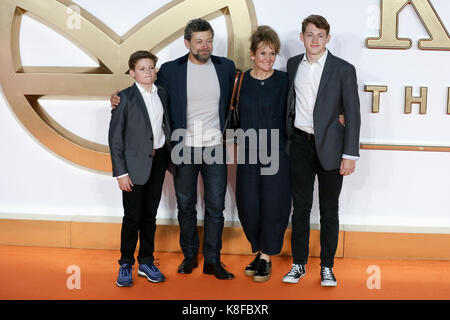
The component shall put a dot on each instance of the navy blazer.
(130, 135)
(173, 76)
(338, 93)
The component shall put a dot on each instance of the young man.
(139, 142)
(199, 85)
(321, 86)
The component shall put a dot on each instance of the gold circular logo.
(23, 86)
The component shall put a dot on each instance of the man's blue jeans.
(214, 178)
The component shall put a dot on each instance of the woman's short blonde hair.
(266, 35)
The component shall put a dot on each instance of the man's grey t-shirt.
(203, 95)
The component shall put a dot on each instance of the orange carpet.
(42, 273)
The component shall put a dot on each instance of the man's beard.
(202, 57)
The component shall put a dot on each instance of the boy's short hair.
(197, 25)
(319, 21)
(266, 35)
(141, 54)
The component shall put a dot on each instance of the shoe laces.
(294, 270)
(327, 273)
(153, 266)
(126, 270)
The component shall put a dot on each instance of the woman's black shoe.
(250, 270)
(263, 271)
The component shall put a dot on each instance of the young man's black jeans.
(305, 165)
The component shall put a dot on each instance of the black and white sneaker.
(297, 272)
(328, 278)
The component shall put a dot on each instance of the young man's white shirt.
(306, 85)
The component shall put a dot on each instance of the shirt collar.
(207, 63)
(321, 60)
(142, 90)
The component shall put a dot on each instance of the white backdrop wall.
(397, 190)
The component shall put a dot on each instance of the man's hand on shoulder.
(115, 99)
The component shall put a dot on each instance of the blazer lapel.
(293, 71)
(166, 122)
(182, 87)
(140, 102)
(222, 81)
(163, 97)
(326, 74)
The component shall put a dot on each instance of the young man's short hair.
(141, 54)
(197, 25)
(319, 21)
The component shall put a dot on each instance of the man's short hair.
(319, 21)
(266, 35)
(197, 25)
(141, 54)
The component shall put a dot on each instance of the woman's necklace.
(260, 78)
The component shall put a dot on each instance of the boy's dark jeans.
(140, 209)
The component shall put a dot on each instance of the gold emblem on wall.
(390, 9)
(23, 86)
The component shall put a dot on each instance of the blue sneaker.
(151, 272)
(125, 278)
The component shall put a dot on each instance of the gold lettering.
(390, 9)
(422, 100)
(376, 90)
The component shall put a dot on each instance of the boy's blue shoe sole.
(159, 277)
(128, 284)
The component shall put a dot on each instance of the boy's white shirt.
(156, 114)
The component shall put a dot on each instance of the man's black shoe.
(218, 270)
(187, 265)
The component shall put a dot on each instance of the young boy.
(139, 141)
